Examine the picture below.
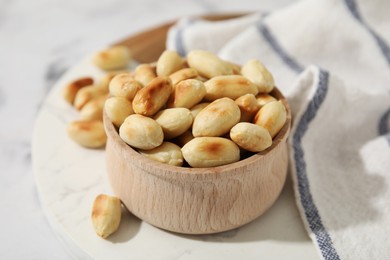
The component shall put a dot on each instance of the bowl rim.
(169, 171)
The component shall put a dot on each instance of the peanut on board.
(141, 132)
(112, 58)
(210, 152)
(106, 215)
(93, 109)
(87, 94)
(70, 90)
(167, 152)
(89, 134)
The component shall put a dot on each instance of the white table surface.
(39, 41)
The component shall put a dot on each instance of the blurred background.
(39, 41)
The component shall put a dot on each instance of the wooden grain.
(194, 200)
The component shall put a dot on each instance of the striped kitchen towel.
(331, 59)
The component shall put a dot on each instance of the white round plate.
(69, 177)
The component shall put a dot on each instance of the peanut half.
(70, 91)
(141, 132)
(152, 97)
(256, 72)
(210, 152)
(263, 99)
(168, 63)
(144, 73)
(89, 134)
(187, 93)
(208, 64)
(87, 94)
(187, 73)
(124, 85)
(248, 107)
(231, 86)
(251, 137)
(168, 153)
(113, 58)
(174, 121)
(93, 109)
(118, 109)
(272, 116)
(217, 118)
(106, 215)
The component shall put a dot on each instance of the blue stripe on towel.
(287, 59)
(353, 8)
(383, 126)
(311, 212)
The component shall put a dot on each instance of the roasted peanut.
(187, 93)
(210, 152)
(106, 215)
(70, 91)
(231, 86)
(235, 68)
(152, 97)
(197, 108)
(263, 99)
(167, 152)
(104, 81)
(113, 58)
(144, 73)
(93, 109)
(217, 118)
(272, 116)
(86, 94)
(89, 134)
(141, 132)
(259, 75)
(248, 107)
(187, 73)
(251, 137)
(168, 63)
(208, 64)
(124, 85)
(174, 121)
(118, 109)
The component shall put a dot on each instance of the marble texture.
(39, 41)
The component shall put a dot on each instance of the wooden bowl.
(196, 200)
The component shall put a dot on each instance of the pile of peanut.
(89, 97)
(201, 110)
